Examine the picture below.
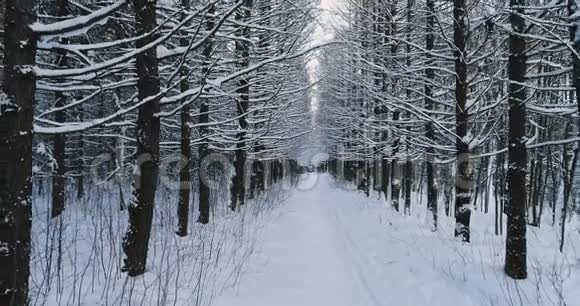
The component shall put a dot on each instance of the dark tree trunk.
(361, 176)
(555, 186)
(58, 178)
(395, 171)
(430, 105)
(136, 241)
(262, 176)
(447, 189)
(464, 175)
(385, 14)
(487, 185)
(408, 165)
(238, 186)
(18, 86)
(59, 170)
(496, 194)
(386, 174)
(80, 164)
(395, 166)
(203, 149)
(569, 168)
(408, 185)
(538, 190)
(253, 179)
(185, 173)
(203, 152)
(515, 260)
(377, 173)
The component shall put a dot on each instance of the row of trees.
(119, 87)
(465, 101)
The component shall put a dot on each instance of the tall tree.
(408, 94)
(238, 188)
(136, 240)
(185, 174)
(203, 149)
(395, 165)
(430, 105)
(58, 177)
(516, 250)
(464, 173)
(17, 90)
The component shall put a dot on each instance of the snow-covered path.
(321, 251)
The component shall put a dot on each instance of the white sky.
(323, 33)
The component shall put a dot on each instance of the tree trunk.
(408, 184)
(238, 188)
(464, 174)
(18, 86)
(59, 168)
(136, 241)
(395, 166)
(395, 171)
(515, 260)
(185, 173)
(569, 168)
(203, 149)
(430, 105)
(80, 165)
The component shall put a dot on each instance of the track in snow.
(321, 251)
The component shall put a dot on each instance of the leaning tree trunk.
(185, 173)
(464, 174)
(515, 259)
(203, 149)
(18, 85)
(58, 179)
(238, 188)
(136, 241)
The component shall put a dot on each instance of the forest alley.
(322, 250)
(162, 152)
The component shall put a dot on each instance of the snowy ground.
(180, 271)
(334, 247)
(319, 245)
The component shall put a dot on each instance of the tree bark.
(395, 170)
(136, 240)
(430, 105)
(238, 188)
(408, 185)
(569, 168)
(203, 149)
(58, 178)
(464, 174)
(515, 259)
(185, 173)
(18, 86)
